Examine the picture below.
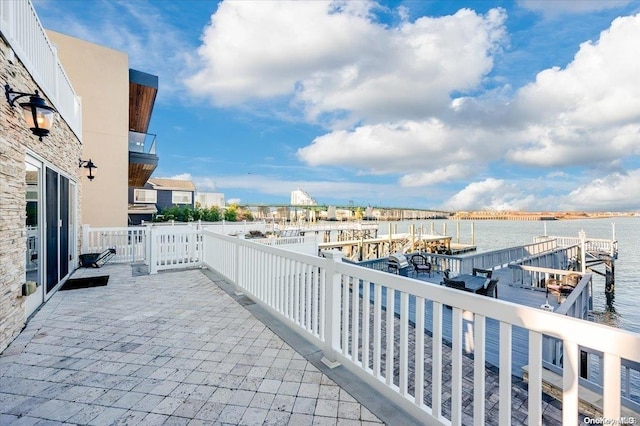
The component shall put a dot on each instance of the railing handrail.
(560, 272)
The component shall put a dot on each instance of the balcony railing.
(348, 310)
(21, 27)
(144, 143)
(373, 323)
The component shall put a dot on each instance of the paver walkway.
(170, 348)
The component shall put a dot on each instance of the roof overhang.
(143, 88)
(141, 167)
(142, 209)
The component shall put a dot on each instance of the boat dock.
(385, 245)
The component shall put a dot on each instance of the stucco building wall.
(100, 76)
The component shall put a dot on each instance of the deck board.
(506, 292)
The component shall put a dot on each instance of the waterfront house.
(40, 181)
(103, 113)
(358, 320)
(159, 194)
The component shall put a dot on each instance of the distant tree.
(179, 214)
(244, 214)
(212, 214)
(231, 213)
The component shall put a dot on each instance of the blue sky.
(462, 105)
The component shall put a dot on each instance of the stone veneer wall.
(61, 149)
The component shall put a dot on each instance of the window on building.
(181, 197)
(145, 196)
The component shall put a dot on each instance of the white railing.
(597, 245)
(502, 258)
(320, 227)
(21, 27)
(174, 248)
(229, 228)
(130, 242)
(528, 276)
(489, 260)
(347, 310)
(307, 244)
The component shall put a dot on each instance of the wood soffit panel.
(139, 174)
(141, 101)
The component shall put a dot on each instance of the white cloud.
(340, 62)
(491, 194)
(580, 116)
(401, 147)
(283, 187)
(610, 193)
(450, 173)
(587, 112)
(182, 176)
(614, 192)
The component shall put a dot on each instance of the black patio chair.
(458, 285)
(420, 264)
(491, 290)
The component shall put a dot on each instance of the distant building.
(158, 194)
(301, 198)
(209, 199)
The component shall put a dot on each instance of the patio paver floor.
(171, 348)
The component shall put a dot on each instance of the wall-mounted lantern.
(38, 115)
(89, 166)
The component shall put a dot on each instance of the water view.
(622, 311)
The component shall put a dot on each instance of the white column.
(332, 309)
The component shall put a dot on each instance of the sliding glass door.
(50, 230)
(58, 232)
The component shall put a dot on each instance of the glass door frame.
(33, 301)
(71, 256)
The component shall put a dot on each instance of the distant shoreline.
(534, 216)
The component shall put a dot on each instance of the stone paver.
(171, 348)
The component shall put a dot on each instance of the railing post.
(152, 251)
(85, 238)
(332, 309)
(238, 264)
(583, 255)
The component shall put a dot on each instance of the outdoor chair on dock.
(483, 272)
(420, 264)
(458, 285)
(560, 288)
(490, 290)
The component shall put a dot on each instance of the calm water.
(624, 309)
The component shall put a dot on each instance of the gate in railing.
(174, 248)
(160, 247)
(130, 242)
(373, 323)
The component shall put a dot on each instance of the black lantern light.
(89, 166)
(38, 115)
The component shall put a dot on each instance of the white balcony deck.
(167, 348)
(431, 379)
